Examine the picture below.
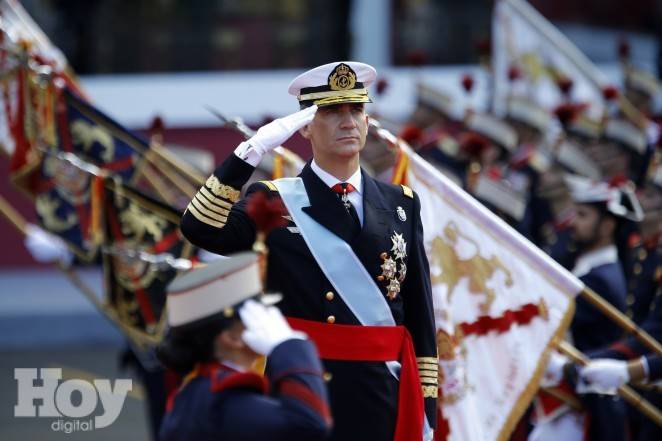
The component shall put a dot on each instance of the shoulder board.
(407, 191)
(269, 184)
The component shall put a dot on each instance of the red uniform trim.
(300, 392)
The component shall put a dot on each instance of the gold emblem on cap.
(342, 78)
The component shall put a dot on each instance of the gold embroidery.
(222, 190)
(210, 214)
(342, 78)
(202, 218)
(432, 360)
(270, 184)
(426, 380)
(430, 391)
(407, 191)
(479, 269)
(213, 199)
(210, 206)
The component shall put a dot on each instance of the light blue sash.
(336, 259)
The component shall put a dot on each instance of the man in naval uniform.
(350, 263)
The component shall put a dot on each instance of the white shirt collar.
(356, 179)
(602, 256)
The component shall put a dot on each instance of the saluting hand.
(266, 327)
(271, 135)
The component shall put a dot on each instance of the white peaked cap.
(213, 289)
(334, 83)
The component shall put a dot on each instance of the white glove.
(605, 373)
(554, 371)
(271, 135)
(46, 247)
(266, 327)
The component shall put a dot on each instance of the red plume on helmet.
(411, 134)
(473, 143)
(381, 86)
(157, 126)
(618, 180)
(467, 82)
(566, 113)
(610, 93)
(514, 73)
(565, 85)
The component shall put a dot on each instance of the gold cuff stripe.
(202, 218)
(432, 360)
(430, 391)
(210, 214)
(432, 381)
(334, 94)
(270, 185)
(428, 366)
(216, 201)
(222, 190)
(210, 205)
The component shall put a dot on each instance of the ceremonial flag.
(65, 199)
(525, 41)
(142, 240)
(499, 304)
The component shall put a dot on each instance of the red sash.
(375, 343)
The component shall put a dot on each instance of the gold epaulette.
(270, 185)
(212, 203)
(407, 191)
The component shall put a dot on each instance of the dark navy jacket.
(363, 394)
(590, 328)
(218, 403)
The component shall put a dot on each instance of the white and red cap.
(620, 200)
(214, 289)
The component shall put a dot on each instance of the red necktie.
(342, 190)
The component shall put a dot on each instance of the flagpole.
(625, 391)
(621, 320)
(13, 216)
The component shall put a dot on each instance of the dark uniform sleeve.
(654, 367)
(419, 314)
(631, 347)
(216, 219)
(297, 408)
